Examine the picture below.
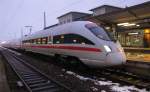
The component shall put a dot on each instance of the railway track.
(116, 75)
(125, 78)
(32, 78)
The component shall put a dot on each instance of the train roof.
(56, 29)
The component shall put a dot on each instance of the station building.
(131, 25)
(71, 16)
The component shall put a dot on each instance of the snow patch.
(69, 72)
(126, 89)
(105, 83)
(117, 88)
(102, 78)
(113, 86)
(103, 91)
(63, 70)
(78, 76)
(82, 78)
(94, 89)
(61, 75)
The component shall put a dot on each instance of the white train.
(91, 44)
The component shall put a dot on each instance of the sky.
(16, 14)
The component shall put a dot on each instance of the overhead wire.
(11, 18)
(63, 8)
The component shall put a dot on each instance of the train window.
(29, 41)
(44, 40)
(58, 39)
(57, 42)
(38, 41)
(71, 39)
(99, 31)
(23, 42)
(76, 39)
(26, 42)
(49, 40)
(34, 41)
(55, 39)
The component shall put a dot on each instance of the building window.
(131, 39)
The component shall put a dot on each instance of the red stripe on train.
(69, 48)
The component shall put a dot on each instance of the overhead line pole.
(44, 20)
(21, 37)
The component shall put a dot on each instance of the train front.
(114, 53)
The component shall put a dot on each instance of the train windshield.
(99, 32)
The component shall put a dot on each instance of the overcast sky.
(15, 14)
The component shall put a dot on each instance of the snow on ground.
(105, 83)
(117, 88)
(94, 89)
(103, 91)
(113, 86)
(71, 73)
(127, 89)
(63, 70)
(78, 76)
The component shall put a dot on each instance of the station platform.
(137, 54)
(4, 87)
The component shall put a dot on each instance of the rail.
(126, 77)
(33, 79)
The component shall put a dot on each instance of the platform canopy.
(139, 14)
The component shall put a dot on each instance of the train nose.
(117, 58)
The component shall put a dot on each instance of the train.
(89, 43)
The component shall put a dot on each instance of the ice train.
(90, 43)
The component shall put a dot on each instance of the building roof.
(103, 6)
(136, 12)
(72, 12)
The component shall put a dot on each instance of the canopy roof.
(137, 13)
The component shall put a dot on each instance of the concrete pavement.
(3, 80)
(142, 57)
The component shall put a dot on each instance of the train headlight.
(107, 48)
